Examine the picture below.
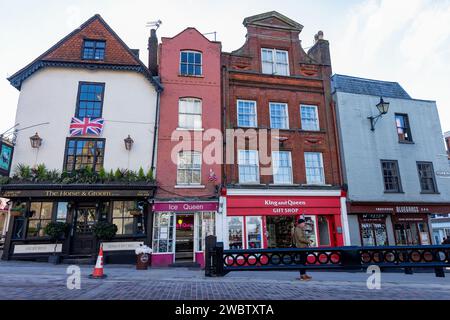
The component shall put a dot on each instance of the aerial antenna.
(156, 24)
(214, 33)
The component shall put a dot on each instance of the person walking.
(300, 240)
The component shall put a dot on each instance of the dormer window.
(275, 62)
(94, 50)
(190, 63)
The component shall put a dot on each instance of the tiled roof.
(370, 87)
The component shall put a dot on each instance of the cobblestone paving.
(26, 280)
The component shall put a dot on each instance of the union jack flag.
(86, 126)
(212, 176)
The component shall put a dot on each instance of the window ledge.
(186, 129)
(284, 185)
(250, 184)
(406, 142)
(430, 193)
(316, 185)
(190, 76)
(187, 186)
(394, 192)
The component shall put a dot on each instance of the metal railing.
(219, 261)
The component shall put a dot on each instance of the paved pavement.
(31, 280)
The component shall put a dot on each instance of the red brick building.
(188, 183)
(271, 84)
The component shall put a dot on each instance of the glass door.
(184, 237)
(82, 235)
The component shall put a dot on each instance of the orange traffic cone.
(98, 269)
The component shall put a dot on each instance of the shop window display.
(374, 234)
(235, 230)
(254, 232)
(163, 232)
(279, 231)
(206, 226)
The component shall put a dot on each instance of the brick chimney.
(153, 52)
(320, 51)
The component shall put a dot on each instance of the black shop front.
(81, 207)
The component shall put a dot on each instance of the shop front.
(179, 231)
(81, 208)
(266, 219)
(393, 223)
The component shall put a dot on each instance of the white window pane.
(314, 168)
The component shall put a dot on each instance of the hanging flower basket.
(136, 212)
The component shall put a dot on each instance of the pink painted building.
(186, 203)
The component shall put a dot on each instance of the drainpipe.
(155, 132)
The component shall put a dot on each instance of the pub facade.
(84, 149)
(277, 102)
(393, 161)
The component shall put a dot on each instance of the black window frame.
(77, 108)
(407, 128)
(435, 188)
(94, 49)
(95, 157)
(397, 167)
(136, 219)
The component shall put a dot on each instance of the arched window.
(190, 113)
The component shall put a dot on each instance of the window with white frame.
(279, 118)
(275, 62)
(282, 167)
(189, 168)
(314, 168)
(163, 232)
(246, 113)
(248, 166)
(190, 113)
(310, 118)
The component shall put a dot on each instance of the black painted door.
(83, 238)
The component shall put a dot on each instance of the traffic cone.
(98, 269)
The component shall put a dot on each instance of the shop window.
(84, 153)
(19, 228)
(309, 117)
(163, 232)
(427, 177)
(315, 174)
(275, 62)
(190, 113)
(279, 231)
(40, 216)
(94, 49)
(374, 234)
(279, 118)
(407, 234)
(206, 226)
(189, 168)
(190, 63)
(403, 128)
(391, 176)
(90, 100)
(246, 114)
(254, 232)
(235, 233)
(248, 161)
(282, 167)
(128, 217)
(310, 229)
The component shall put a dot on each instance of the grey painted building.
(393, 172)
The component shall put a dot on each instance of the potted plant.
(143, 257)
(56, 231)
(104, 230)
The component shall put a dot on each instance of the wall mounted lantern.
(383, 108)
(36, 141)
(128, 143)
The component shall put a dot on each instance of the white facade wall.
(50, 95)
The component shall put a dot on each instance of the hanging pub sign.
(6, 154)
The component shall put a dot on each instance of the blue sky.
(397, 40)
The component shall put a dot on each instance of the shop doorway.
(82, 235)
(279, 231)
(184, 238)
(412, 233)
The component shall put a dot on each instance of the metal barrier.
(219, 261)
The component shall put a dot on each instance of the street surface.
(32, 280)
